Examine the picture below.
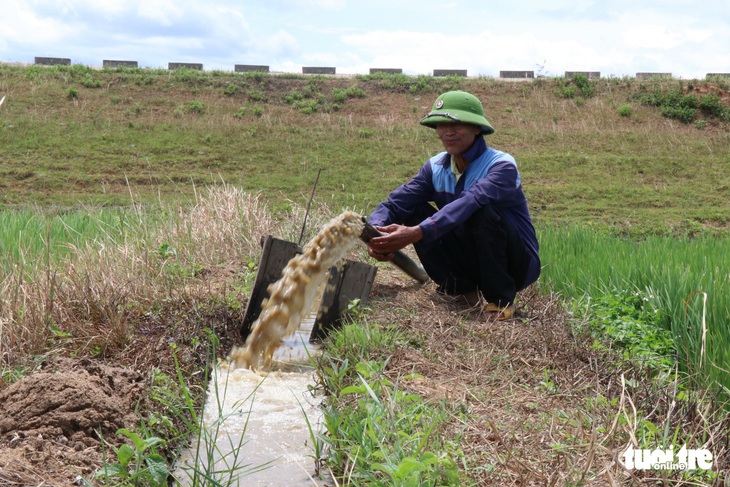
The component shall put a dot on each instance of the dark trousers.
(485, 253)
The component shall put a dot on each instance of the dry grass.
(533, 404)
(90, 303)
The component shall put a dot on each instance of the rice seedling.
(685, 280)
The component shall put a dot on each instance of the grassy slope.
(154, 133)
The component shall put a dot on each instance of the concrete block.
(718, 75)
(587, 74)
(53, 61)
(246, 68)
(197, 66)
(318, 70)
(449, 72)
(386, 70)
(109, 63)
(516, 74)
(653, 75)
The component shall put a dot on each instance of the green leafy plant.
(684, 107)
(584, 85)
(625, 110)
(138, 464)
(90, 82)
(631, 322)
(340, 95)
(257, 95)
(196, 107)
(711, 104)
(386, 434)
(684, 114)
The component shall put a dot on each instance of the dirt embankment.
(50, 421)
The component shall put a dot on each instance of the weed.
(625, 110)
(683, 107)
(421, 85)
(340, 95)
(196, 107)
(568, 91)
(580, 85)
(90, 82)
(684, 114)
(711, 105)
(138, 464)
(386, 435)
(257, 95)
(629, 321)
(144, 80)
(584, 85)
(135, 109)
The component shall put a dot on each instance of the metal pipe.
(400, 259)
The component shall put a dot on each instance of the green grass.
(674, 276)
(120, 158)
(30, 236)
(154, 134)
(376, 433)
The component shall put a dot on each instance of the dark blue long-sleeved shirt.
(491, 177)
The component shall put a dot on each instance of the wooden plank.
(275, 256)
(354, 281)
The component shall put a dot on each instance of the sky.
(618, 38)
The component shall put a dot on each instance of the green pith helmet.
(457, 106)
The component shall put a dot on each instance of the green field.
(73, 135)
(120, 188)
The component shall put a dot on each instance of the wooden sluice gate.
(291, 280)
(347, 283)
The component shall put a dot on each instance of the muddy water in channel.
(259, 400)
(293, 295)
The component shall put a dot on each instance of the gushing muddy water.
(260, 408)
(292, 295)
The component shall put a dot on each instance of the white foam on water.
(261, 414)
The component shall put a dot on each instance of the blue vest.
(444, 180)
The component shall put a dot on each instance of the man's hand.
(395, 237)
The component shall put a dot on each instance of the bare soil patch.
(51, 420)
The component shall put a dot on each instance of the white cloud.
(612, 36)
(21, 23)
(163, 12)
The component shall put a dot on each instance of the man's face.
(457, 137)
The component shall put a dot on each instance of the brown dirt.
(527, 388)
(51, 421)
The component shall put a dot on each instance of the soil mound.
(55, 416)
